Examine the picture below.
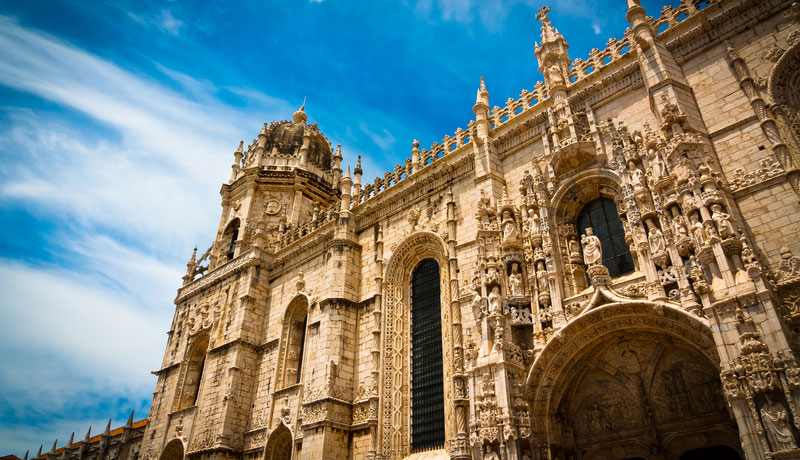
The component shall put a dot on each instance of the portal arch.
(627, 378)
(279, 444)
(173, 450)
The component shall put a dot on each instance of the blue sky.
(118, 121)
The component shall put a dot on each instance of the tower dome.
(286, 138)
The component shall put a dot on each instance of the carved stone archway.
(279, 444)
(172, 451)
(629, 379)
(784, 90)
(395, 386)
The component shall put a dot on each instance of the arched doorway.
(629, 380)
(279, 444)
(172, 451)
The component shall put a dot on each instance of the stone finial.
(39, 454)
(263, 130)
(108, 427)
(88, 434)
(53, 449)
(300, 116)
(71, 439)
(357, 171)
(26, 454)
(338, 153)
(130, 420)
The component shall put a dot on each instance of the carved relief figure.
(679, 227)
(656, 239)
(554, 74)
(698, 231)
(723, 221)
(495, 303)
(592, 252)
(637, 176)
(541, 276)
(776, 423)
(534, 224)
(515, 281)
(509, 227)
(574, 249)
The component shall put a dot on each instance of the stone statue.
(509, 227)
(554, 74)
(723, 221)
(534, 223)
(495, 303)
(659, 168)
(515, 281)
(574, 249)
(656, 239)
(679, 227)
(541, 276)
(637, 177)
(698, 231)
(777, 425)
(592, 252)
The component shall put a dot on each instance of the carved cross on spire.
(542, 14)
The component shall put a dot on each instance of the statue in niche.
(509, 227)
(723, 221)
(639, 234)
(554, 75)
(541, 276)
(777, 425)
(656, 239)
(574, 249)
(679, 227)
(515, 281)
(592, 252)
(659, 168)
(535, 229)
(637, 176)
(495, 303)
(698, 232)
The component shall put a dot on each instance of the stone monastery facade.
(603, 268)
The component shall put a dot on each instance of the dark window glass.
(427, 389)
(302, 347)
(601, 215)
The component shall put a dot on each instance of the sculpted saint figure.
(698, 231)
(592, 252)
(554, 73)
(723, 221)
(678, 227)
(534, 223)
(659, 168)
(495, 305)
(541, 276)
(637, 176)
(515, 281)
(574, 250)
(776, 424)
(509, 227)
(656, 238)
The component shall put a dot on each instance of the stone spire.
(88, 434)
(552, 54)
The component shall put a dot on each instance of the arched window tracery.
(293, 346)
(229, 237)
(427, 376)
(193, 373)
(601, 215)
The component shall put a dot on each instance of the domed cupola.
(286, 138)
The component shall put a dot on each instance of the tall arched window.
(601, 215)
(230, 236)
(427, 379)
(193, 373)
(294, 339)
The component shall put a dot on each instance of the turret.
(237, 161)
(357, 172)
(346, 191)
(481, 110)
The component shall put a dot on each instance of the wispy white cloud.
(130, 197)
(163, 20)
(385, 140)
